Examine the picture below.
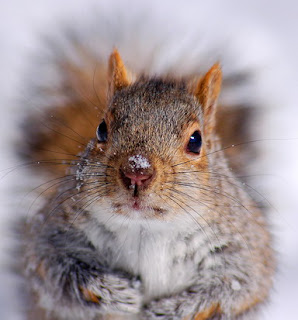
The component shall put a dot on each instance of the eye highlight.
(102, 132)
(195, 143)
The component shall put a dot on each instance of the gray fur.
(201, 240)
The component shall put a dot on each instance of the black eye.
(195, 143)
(102, 132)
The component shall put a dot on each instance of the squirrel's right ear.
(117, 73)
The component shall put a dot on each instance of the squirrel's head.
(153, 143)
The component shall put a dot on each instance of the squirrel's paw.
(185, 306)
(173, 308)
(114, 293)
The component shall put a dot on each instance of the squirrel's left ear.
(117, 73)
(207, 91)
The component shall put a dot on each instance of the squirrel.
(148, 221)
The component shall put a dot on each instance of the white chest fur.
(166, 260)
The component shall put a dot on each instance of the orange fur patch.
(89, 295)
(206, 314)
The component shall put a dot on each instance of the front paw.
(163, 309)
(185, 306)
(114, 293)
(172, 308)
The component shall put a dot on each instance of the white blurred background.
(263, 35)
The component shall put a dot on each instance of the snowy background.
(262, 33)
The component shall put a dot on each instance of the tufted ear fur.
(207, 91)
(117, 74)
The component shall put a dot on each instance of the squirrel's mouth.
(136, 204)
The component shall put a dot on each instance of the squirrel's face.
(151, 150)
(150, 158)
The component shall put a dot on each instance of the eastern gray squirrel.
(148, 222)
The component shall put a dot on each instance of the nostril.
(138, 179)
(126, 181)
(130, 179)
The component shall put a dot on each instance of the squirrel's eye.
(102, 132)
(195, 143)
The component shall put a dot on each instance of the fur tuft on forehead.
(154, 92)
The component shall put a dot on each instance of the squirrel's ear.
(207, 91)
(208, 88)
(117, 73)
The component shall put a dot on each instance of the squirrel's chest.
(165, 261)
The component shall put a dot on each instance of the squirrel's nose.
(137, 171)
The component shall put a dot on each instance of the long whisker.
(228, 196)
(227, 179)
(48, 188)
(195, 220)
(211, 209)
(53, 161)
(187, 212)
(233, 146)
(86, 205)
(64, 135)
(87, 192)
